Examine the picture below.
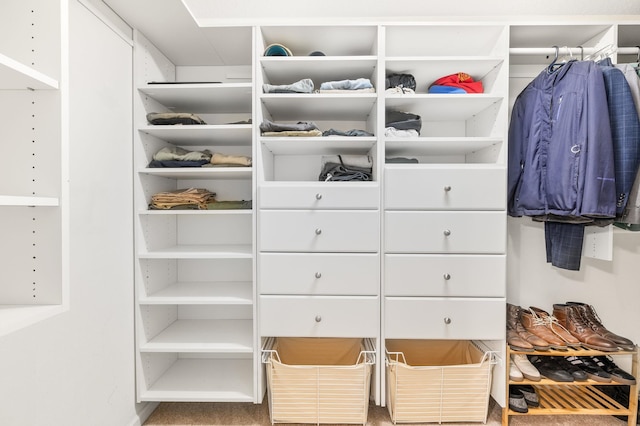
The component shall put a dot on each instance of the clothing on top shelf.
(403, 82)
(174, 118)
(301, 86)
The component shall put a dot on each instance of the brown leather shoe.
(514, 340)
(536, 325)
(514, 321)
(554, 325)
(589, 313)
(571, 318)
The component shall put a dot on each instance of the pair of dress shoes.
(580, 368)
(558, 368)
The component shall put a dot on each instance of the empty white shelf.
(437, 145)
(208, 98)
(223, 251)
(325, 145)
(10, 200)
(204, 293)
(201, 172)
(335, 106)
(205, 135)
(15, 75)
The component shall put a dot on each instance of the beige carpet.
(237, 414)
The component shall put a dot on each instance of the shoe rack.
(575, 398)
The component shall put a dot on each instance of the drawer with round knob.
(449, 275)
(322, 195)
(444, 318)
(319, 316)
(445, 187)
(319, 273)
(445, 232)
(319, 230)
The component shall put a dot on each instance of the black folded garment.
(403, 120)
(173, 118)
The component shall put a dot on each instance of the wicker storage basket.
(437, 381)
(319, 380)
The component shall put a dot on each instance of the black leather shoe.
(550, 369)
(517, 402)
(618, 375)
(590, 367)
(578, 374)
(529, 393)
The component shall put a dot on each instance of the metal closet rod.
(565, 50)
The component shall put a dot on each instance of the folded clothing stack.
(190, 198)
(346, 168)
(174, 118)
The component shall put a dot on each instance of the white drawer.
(445, 188)
(323, 195)
(445, 232)
(445, 275)
(319, 316)
(319, 230)
(442, 318)
(319, 273)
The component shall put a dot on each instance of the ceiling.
(173, 25)
(171, 28)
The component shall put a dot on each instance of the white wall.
(78, 367)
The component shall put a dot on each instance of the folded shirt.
(360, 83)
(218, 159)
(181, 154)
(301, 86)
(174, 118)
(270, 126)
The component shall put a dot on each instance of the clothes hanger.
(555, 59)
(602, 53)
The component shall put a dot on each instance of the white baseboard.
(144, 411)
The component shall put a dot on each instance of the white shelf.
(178, 212)
(320, 69)
(15, 76)
(317, 106)
(204, 135)
(325, 145)
(10, 200)
(192, 379)
(219, 336)
(446, 107)
(437, 146)
(212, 98)
(202, 293)
(232, 173)
(228, 251)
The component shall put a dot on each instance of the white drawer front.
(440, 318)
(319, 273)
(319, 231)
(319, 316)
(445, 232)
(445, 275)
(450, 188)
(325, 195)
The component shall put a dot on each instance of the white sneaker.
(515, 375)
(527, 369)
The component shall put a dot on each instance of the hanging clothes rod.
(564, 50)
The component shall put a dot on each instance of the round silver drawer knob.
(447, 188)
(318, 196)
(447, 320)
(318, 318)
(318, 275)
(318, 231)
(447, 232)
(447, 277)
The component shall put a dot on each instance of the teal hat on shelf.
(277, 49)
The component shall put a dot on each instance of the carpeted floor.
(238, 414)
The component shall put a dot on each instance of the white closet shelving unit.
(33, 57)
(325, 235)
(444, 227)
(195, 268)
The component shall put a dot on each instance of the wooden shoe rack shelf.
(576, 398)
